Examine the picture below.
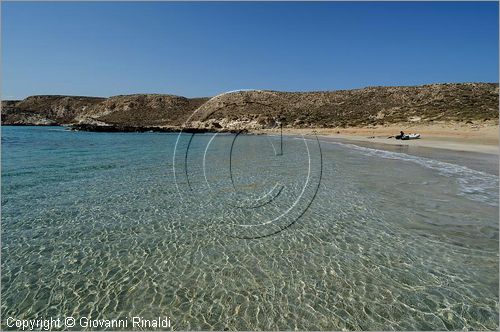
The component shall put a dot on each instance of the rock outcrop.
(247, 110)
(143, 110)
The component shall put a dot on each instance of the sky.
(203, 49)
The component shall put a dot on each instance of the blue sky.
(202, 49)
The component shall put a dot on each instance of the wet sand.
(479, 161)
(475, 137)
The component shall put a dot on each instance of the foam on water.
(475, 185)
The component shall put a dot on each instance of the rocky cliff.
(262, 109)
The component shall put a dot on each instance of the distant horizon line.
(12, 98)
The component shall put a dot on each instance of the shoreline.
(479, 138)
(466, 138)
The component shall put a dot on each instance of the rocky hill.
(143, 110)
(50, 109)
(262, 109)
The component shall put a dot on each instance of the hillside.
(262, 109)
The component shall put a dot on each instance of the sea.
(245, 232)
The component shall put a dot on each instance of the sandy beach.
(472, 137)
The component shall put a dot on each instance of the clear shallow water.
(93, 225)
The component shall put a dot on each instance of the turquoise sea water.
(111, 225)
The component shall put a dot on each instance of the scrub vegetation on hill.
(256, 109)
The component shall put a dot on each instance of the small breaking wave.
(474, 185)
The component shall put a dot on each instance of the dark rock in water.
(120, 128)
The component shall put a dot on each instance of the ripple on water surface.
(93, 225)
